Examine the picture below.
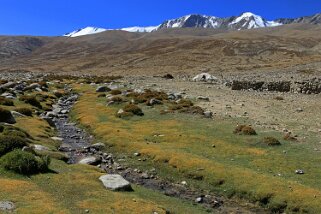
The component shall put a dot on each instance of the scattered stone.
(136, 154)
(40, 147)
(115, 182)
(299, 172)
(203, 98)
(299, 110)
(6, 205)
(103, 89)
(98, 146)
(90, 160)
(57, 139)
(199, 200)
(208, 114)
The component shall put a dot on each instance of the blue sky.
(56, 17)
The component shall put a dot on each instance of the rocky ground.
(292, 112)
(282, 111)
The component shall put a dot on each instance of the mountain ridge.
(246, 20)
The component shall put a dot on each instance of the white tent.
(205, 77)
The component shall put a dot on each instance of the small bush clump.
(5, 115)
(244, 130)
(6, 102)
(10, 143)
(15, 132)
(117, 99)
(279, 98)
(24, 162)
(134, 109)
(115, 92)
(147, 95)
(271, 141)
(289, 137)
(101, 95)
(32, 100)
(25, 111)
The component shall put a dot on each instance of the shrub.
(147, 95)
(101, 95)
(192, 110)
(15, 132)
(32, 100)
(133, 109)
(1, 128)
(5, 115)
(279, 98)
(24, 162)
(168, 76)
(58, 94)
(245, 130)
(6, 102)
(115, 92)
(124, 114)
(181, 104)
(289, 137)
(25, 111)
(271, 141)
(10, 143)
(117, 99)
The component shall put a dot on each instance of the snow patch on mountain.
(140, 29)
(85, 31)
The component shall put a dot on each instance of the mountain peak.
(246, 20)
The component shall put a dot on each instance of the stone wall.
(312, 86)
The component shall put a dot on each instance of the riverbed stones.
(115, 182)
(40, 147)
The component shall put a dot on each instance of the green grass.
(75, 188)
(239, 166)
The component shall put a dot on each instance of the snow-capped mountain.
(250, 21)
(94, 30)
(244, 21)
(85, 31)
(140, 29)
(193, 20)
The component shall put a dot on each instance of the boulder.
(103, 89)
(205, 77)
(91, 160)
(6, 205)
(40, 147)
(98, 146)
(115, 182)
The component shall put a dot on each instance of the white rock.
(91, 160)
(40, 147)
(205, 77)
(115, 182)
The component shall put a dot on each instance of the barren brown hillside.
(177, 51)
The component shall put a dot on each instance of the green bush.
(6, 102)
(271, 141)
(10, 143)
(5, 115)
(133, 109)
(24, 162)
(115, 92)
(25, 111)
(32, 100)
(15, 132)
(245, 130)
(117, 99)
